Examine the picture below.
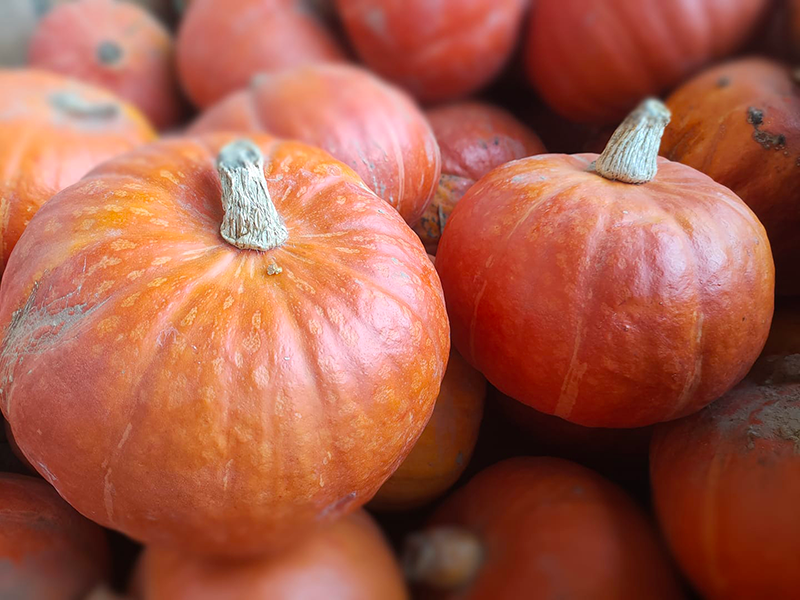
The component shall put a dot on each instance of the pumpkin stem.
(251, 221)
(445, 557)
(631, 155)
(76, 106)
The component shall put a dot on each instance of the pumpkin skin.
(593, 61)
(18, 21)
(115, 45)
(46, 144)
(436, 50)
(726, 485)
(222, 44)
(544, 520)
(371, 126)
(739, 123)
(602, 302)
(47, 550)
(350, 560)
(473, 138)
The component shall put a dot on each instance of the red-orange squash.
(350, 560)
(473, 138)
(206, 359)
(726, 487)
(436, 50)
(116, 45)
(222, 44)
(605, 303)
(52, 131)
(47, 550)
(593, 61)
(371, 126)
(539, 529)
(739, 123)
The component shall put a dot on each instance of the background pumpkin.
(52, 131)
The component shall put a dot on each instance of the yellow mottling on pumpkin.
(217, 365)
(134, 275)
(86, 224)
(162, 222)
(137, 210)
(252, 342)
(228, 302)
(189, 318)
(104, 287)
(314, 327)
(256, 320)
(161, 260)
(168, 175)
(157, 282)
(345, 250)
(121, 193)
(237, 359)
(139, 331)
(52, 226)
(108, 324)
(261, 376)
(113, 208)
(122, 245)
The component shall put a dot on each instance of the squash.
(594, 61)
(349, 560)
(222, 44)
(726, 486)
(52, 131)
(48, 551)
(474, 138)
(116, 45)
(436, 50)
(738, 124)
(371, 126)
(539, 529)
(208, 360)
(605, 303)
(18, 21)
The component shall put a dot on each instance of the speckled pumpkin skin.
(194, 395)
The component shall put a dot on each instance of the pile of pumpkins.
(388, 299)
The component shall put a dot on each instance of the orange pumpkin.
(369, 125)
(52, 131)
(222, 44)
(206, 359)
(116, 45)
(48, 551)
(738, 123)
(540, 529)
(605, 303)
(350, 560)
(474, 138)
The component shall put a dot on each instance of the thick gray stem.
(445, 558)
(74, 105)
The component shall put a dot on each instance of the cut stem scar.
(445, 558)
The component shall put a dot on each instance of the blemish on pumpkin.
(189, 318)
(169, 176)
(86, 224)
(228, 302)
(158, 282)
(162, 222)
(162, 260)
(723, 82)
(140, 211)
(274, 269)
(121, 193)
(130, 300)
(113, 208)
(767, 140)
(104, 287)
(122, 245)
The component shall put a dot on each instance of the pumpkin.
(593, 61)
(602, 302)
(222, 44)
(541, 529)
(230, 361)
(474, 138)
(726, 486)
(48, 551)
(350, 560)
(18, 21)
(738, 124)
(436, 50)
(52, 131)
(116, 45)
(369, 125)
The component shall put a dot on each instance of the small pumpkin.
(473, 138)
(726, 486)
(115, 45)
(349, 560)
(594, 61)
(738, 124)
(371, 126)
(52, 131)
(541, 529)
(48, 551)
(222, 44)
(602, 289)
(219, 344)
(18, 21)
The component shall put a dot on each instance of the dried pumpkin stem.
(73, 104)
(445, 558)
(251, 221)
(631, 155)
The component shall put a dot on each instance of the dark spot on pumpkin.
(755, 116)
(109, 53)
(460, 459)
(496, 141)
(767, 140)
(723, 82)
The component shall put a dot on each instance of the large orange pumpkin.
(593, 61)
(203, 358)
(350, 560)
(222, 44)
(371, 126)
(739, 123)
(52, 131)
(726, 486)
(116, 45)
(48, 551)
(539, 529)
(606, 303)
